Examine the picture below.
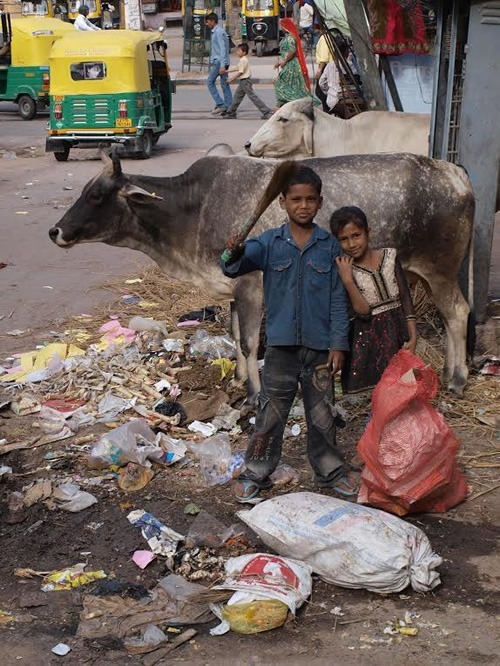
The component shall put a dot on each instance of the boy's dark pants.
(284, 369)
(245, 87)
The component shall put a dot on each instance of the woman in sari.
(293, 79)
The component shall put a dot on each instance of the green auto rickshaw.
(108, 87)
(24, 60)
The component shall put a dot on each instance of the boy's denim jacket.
(306, 303)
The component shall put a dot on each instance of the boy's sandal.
(245, 490)
(346, 487)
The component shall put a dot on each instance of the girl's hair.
(342, 216)
(303, 175)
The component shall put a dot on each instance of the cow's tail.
(471, 320)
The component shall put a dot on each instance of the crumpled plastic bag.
(217, 462)
(161, 539)
(132, 442)
(212, 346)
(73, 499)
(347, 544)
(249, 614)
(408, 448)
(66, 579)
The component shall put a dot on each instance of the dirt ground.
(42, 287)
(458, 621)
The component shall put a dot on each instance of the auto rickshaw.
(262, 25)
(24, 68)
(95, 10)
(105, 90)
(193, 17)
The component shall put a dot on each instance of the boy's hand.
(344, 265)
(336, 361)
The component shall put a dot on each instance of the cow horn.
(112, 165)
(306, 107)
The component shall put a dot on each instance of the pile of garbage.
(124, 406)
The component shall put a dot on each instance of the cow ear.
(138, 195)
(306, 107)
(308, 139)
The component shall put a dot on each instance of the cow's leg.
(454, 311)
(241, 373)
(248, 301)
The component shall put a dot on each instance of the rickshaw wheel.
(147, 146)
(62, 157)
(259, 49)
(27, 107)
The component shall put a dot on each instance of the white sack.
(347, 544)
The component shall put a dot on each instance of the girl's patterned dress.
(290, 84)
(376, 337)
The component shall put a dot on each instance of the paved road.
(43, 283)
(189, 103)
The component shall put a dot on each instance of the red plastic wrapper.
(408, 448)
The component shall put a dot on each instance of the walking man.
(219, 64)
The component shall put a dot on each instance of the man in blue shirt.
(219, 64)
(307, 334)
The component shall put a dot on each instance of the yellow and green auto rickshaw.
(105, 90)
(95, 10)
(262, 19)
(24, 67)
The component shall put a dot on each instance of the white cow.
(298, 129)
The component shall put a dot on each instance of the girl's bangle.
(411, 318)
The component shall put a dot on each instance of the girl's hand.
(277, 64)
(344, 266)
(411, 345)
(336, 361)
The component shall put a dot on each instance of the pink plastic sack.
(408, 448)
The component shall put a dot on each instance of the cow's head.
(104, 211)
(288, 133)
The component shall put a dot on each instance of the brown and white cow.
(422, 207)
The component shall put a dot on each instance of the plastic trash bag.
(408, 448)
(346, 544)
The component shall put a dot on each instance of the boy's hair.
(342, 216)
(212, 17)
(303, 175)
(243, 47)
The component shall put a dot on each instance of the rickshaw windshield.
(259, 5)
(35, 8)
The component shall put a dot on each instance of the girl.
(293, 79)
(383, 318)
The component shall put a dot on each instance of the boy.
(307, 334)
(244, 86)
